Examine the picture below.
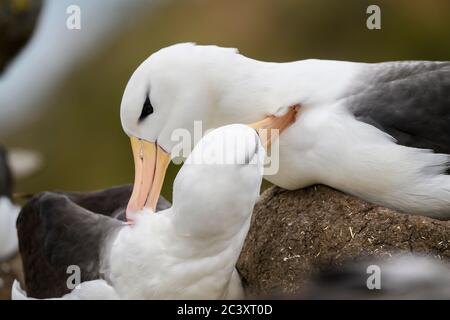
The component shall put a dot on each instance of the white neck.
(174, 266)
(251, 89)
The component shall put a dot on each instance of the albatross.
(379, 131)
(188, 251)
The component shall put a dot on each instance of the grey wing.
(111, 202)
(5, 175)
(55, 233)
(408, 100)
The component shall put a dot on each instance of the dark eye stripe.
(147, 109)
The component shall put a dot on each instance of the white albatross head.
(223, 174)
(175, 87)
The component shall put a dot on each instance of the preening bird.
(379, 131)
(89, 290)
(188, 251)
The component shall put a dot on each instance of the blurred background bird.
(14, 165)
(403, 276)
(8, 211)
(17, 22)
(18, 19)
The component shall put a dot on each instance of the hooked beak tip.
(151, 163)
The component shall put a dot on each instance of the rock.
(295, 234)
(408, 276)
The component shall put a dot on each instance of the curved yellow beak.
(150, 165)
(151, 162)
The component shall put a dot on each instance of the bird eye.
(147, 109)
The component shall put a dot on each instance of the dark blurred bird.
(5, 175)
(17, 22)
(14, 164)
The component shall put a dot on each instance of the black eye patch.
(147, 109)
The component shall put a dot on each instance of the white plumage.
(357, 130)
(89, 290)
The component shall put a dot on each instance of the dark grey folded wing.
(110, 202)
(55, 233)
(408, 100)
(57, 230)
